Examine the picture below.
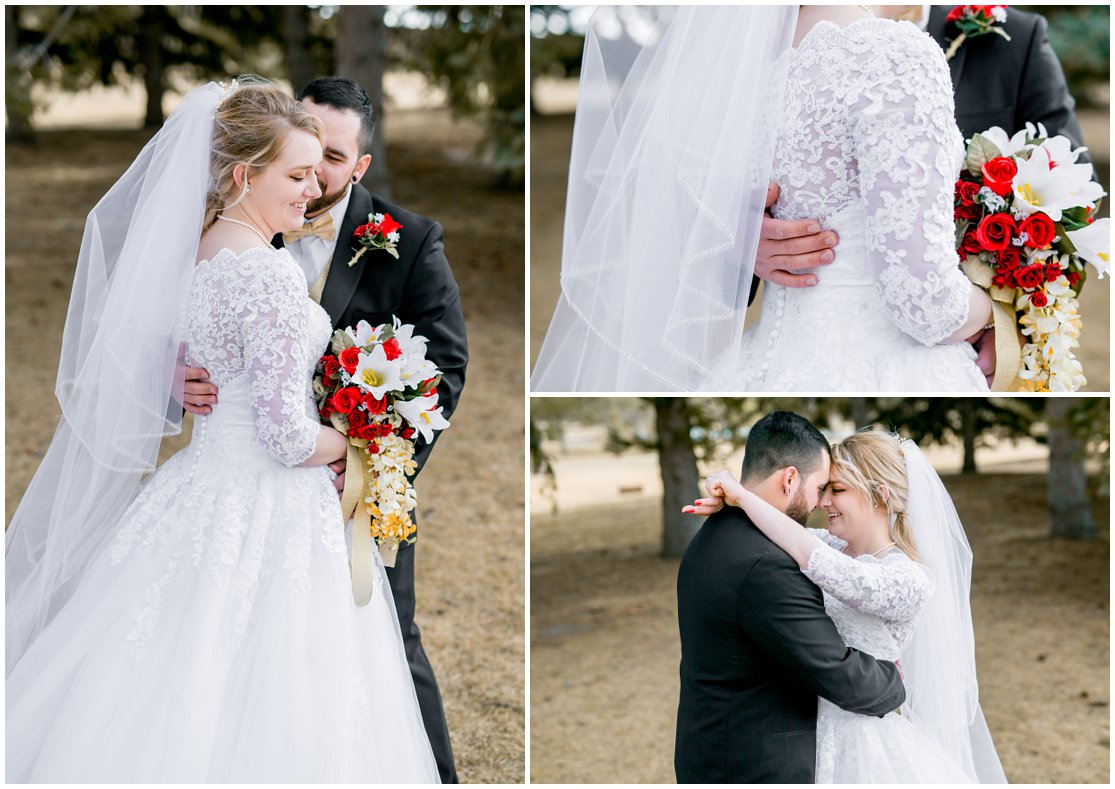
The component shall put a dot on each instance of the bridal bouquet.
(1025, 227)
(379, 389)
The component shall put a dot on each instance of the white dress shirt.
(311, 252)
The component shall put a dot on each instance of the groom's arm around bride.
(757, 651)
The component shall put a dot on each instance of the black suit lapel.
(942, 32)
(343, 279)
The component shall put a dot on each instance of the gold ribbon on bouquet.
(353, 508)
(1008, 340)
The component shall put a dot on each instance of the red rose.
(360, 231)
(1009, 258)
(966, 192)
(993, 234)
(1005, 279)
(356, 419)
(350, 357)
(375, 405)
(330, 366)
(1038, 299)
(955, 14)
(1031, 277)
(970, 246)
(408, 432)
(389, 225)
(373, 448)
(998, 175)
(1039, 230)
(1052, 272)
(345, 399)
(392, 349)
(1073, 277)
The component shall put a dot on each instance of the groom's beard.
(798, 508)
(315, 207)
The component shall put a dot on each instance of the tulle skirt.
(216, 640)
(863, 749)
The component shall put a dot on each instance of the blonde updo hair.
(250, 127)
(870, 462)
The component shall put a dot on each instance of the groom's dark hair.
(782, 439)
(342, 93)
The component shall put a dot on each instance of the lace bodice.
(868, 118)
(874, 603)
(248, 316)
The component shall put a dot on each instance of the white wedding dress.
(874, 604)
(867, 143)
(216, 639)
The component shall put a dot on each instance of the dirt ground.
(604, 646)
(470, 583)
(550, 139)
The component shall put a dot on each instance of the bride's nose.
(313, 190)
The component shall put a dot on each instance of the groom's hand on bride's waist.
(787, 245)
(197, 392)
(338, 469)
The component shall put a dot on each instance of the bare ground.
(470, 582)
(604, 648)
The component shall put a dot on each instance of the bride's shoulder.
(252, 267)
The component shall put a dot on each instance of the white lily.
(377, 374)
(363, 334)
(417, 413)
(1038, 188)
(1061, 152)
(1009, 146)
(1093, 244)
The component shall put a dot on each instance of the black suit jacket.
(757, 649)
(418, 288)
(1011, 82)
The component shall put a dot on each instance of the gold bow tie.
(321, 226)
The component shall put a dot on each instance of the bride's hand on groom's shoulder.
(722, 488)
(704, 507)
(789, 245)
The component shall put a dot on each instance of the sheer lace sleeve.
(277, 358)
(909, 153)
(827, 538)
(895, 588)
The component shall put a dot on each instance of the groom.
(757, 648)
(418, 288)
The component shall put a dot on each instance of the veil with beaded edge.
(117, 383)
(671, 159)
(942, 691)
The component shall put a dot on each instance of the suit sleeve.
(785, 614)
(432, 302)
(1043, 92)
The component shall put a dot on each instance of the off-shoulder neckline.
(833, 27)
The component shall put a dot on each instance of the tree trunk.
(152, 23)
(17, 86)
(968, 429)
(859, 412)
(299, 60)
(678, 464)
(1070, 510)
(361, 53)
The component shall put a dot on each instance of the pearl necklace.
(248, 225)
(876, 554)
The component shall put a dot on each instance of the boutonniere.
(381, 232)
(975, 20)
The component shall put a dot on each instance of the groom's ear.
(787, 477)
(362, 165)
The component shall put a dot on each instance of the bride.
(673, 150)
(895, 570)
(199, 626)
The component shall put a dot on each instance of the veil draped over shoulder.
(942, 693)
(117, 383)
(672, 155)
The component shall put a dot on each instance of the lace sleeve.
(277, 357)
(827, 537)
(895, 588)
(908, 153)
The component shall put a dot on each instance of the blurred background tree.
(685, 432)
(474, 53)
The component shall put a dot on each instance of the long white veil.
(672, 155)
(116, 380)
(942, 692)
